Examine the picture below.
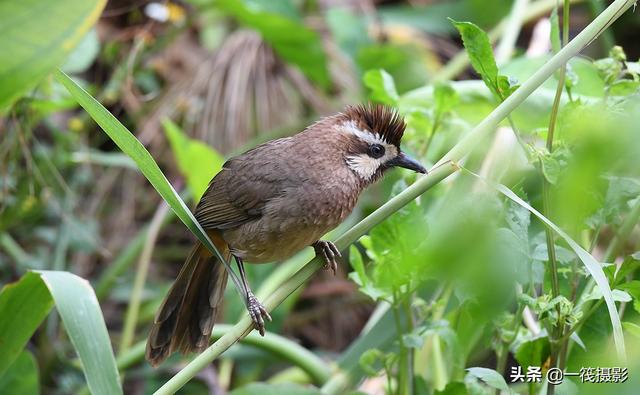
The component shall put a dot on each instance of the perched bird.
(269, 203)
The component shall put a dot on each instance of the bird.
(271, 202)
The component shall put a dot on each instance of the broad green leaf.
(490, 377)
(82, 318)
(292, 41)
(383, 89)
(592, 266)
(22, 376)
(29, 302)
(189, 151)
(275, 389)
(128, 143)
(36, 36)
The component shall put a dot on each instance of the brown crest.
(378, 118)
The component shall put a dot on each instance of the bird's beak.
(402, 160)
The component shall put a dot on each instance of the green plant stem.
(316, 368)
(460, 61)
(443, 169)
(133, 308)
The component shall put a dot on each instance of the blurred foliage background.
(450, 295)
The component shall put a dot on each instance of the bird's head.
(373, 134)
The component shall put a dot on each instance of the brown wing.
(239, 192)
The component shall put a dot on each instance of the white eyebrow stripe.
(350, 127)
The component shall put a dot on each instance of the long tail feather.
(185, 319)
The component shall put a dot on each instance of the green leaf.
(132, 147)
(490, 377)
(81, 58)
(478, 47)
(275, 389)
(593, 267)
(533, 352)
(412, 340)
(355, 258)
(624, 88)
(189, 151)
(445, 98)
(383, 89)
(37, 36)
(632, 329)
(22, 376)
(292, 41)
(29, 302)
(30, 299)
(80, 312)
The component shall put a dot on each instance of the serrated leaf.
(478, 47)
(382, 86)
(489, 377)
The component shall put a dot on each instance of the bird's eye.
(376, 151)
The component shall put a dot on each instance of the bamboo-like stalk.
(445, 167)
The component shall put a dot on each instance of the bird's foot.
(257, 312)
(329, 252)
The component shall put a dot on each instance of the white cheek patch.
(362, 164)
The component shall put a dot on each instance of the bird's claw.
(329, 252)
(257, 312)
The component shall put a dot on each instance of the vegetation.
(517, 253)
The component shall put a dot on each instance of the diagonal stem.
(443, 169)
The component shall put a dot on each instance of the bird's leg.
(329, 252)
(256, 310)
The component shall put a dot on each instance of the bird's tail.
(185, 319)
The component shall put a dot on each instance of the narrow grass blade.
(80, 312)
(130, 145)
(592, 266)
